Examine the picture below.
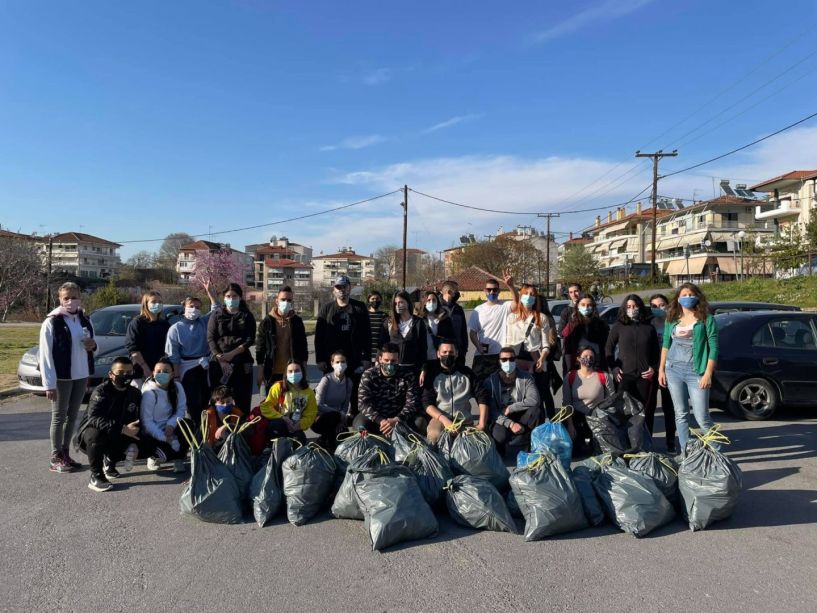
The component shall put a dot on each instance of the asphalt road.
(65, 548)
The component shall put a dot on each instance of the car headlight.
(105, 361)
(29, 359)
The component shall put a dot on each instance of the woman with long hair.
(407, 331)
(437, 324)
(584, 327)
(147, 334)
(689, 355)
(290, 406)
(658, 307)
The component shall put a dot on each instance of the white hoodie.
(157, 413)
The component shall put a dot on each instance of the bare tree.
(142, 259)
(385, 263)
(21, 274)
(169, 251)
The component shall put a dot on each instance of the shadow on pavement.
(765, 508)
(24, 426)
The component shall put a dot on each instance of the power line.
(272, 223)
(733, 151)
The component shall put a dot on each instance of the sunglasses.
(491, 290)
(507, 359)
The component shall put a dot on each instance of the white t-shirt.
(489, 322)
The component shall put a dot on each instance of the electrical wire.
(272, 223)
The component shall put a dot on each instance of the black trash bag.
(513, 506)
(474, 453)
(432, 472)
(393, 505)
(211, 494)
(618, 425)
(235, 454)
(266, 487)
(583, 479)
(403, 440)
(474, 502)
(631, 500)
(308, 477)
(352, 445)
(445, 443)
(345, 505)
(708, 481)
(547, 497)
(660, 468)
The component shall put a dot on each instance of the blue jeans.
(683, 383)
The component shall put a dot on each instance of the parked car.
(556, 307)
(110, 325)
(609, 313)
(767, 359)
(725, 306)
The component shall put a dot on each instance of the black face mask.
(375, 304)
(448, 361)
(122, 380)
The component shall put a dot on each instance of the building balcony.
(779, 209)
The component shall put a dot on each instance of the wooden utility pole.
(655, 157)
(48, 273)
(405, 232)
(548, 216)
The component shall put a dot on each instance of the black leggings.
(529, 419)
(196, 386)
(277, 428)
(241, 383)
(326, 425)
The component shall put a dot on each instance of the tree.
(108, 295)
(218, 268)
(519, 258)
(578, 266)
(385, 262)
(169, 251)
(142, 259)
(21, 278)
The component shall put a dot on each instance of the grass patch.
(800, 291)
(14, 341)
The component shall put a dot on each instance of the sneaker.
(70, 461)
(109, 470)
(154, 463)
(59, 465)
(130, 455)
(99, 483)
(178, 466)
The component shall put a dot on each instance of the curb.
(11, 392)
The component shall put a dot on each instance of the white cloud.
(452, 122)
(356, 142)
(376, 77)
(609, 9)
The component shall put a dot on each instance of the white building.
(83, 255)
(791, 198)
(357, 267)
(186, 259)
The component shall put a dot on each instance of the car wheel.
(754, 399)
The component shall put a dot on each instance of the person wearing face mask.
(407, 332)
(584, 327)
(66, 359)
(290, 407)
(376, 319)
(231, 332)
(222, 405)
(186, 347)
(449, 296)
(486, 329)
(163, 407)
(343, 325)
(658, 307)
(437, 324)
(109, 432)
(281, 337)
(448, 389)
(635, 342)
(514, 403)
(387, 395)
(689, 354)
(584, 388)
(333, 394)
(147, 334)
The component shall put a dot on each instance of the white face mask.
(339, 368)
(191, 313)
(284, 306)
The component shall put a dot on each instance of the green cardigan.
(704, 342)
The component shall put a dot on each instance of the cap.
(341, 280)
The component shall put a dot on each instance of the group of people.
(404, 364)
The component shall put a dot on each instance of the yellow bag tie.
(539, 461)
(564, 413)
(482, 438)
(205, 421)
(322, 452)
(416, 440)
(658, 456)
(188, 435)
(606, 459)
(713, 435)
(456, 424)
(228, 425)
(384, 459)
(246, 425)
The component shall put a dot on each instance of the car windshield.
(113, 322)
(556, 309)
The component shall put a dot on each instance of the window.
(785, 334)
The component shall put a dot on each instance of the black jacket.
(412, 347)
(330, 338)
(637, 347)
(61, 345)
(109, 409)
(226, 331)
(445, 330)
(148, 338)
(580, 329)
(459, 325)
(266, 343)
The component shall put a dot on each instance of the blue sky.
(133, 120)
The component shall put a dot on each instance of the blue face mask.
(162, 378)
(389, 369)
(508, 367)
(155, 307)
(232, 303)
(688, 302)
(528, 300)
(492, 297)
(295, 377)
(431, 307)
(586, 311)
(658, 312)
(224, 408)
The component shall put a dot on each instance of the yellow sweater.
(275, 406)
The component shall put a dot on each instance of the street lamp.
(741, 236)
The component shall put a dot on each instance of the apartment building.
(357, 267)
(186, 259)
(80, 254)
(790, 200)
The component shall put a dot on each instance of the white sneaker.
(130, 455)
(178, 466)
(154, 464)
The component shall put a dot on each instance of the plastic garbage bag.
(403, 440)
(235, 453)
(618, 425)
(660, 468)
(513, 506)
(708, 481)
(631, 500)
(345, 505)
(393, 505)
(266, 487)
(352, 445)
(211, 494)
(308, 477)
(473, 453)
(552, 436)
(431, 469)
(547, 497)
(583, 480)
(474, 502)
(449, 434)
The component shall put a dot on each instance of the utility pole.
(655, 157)
(548, 216)
(405, 232)
(48, 273)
